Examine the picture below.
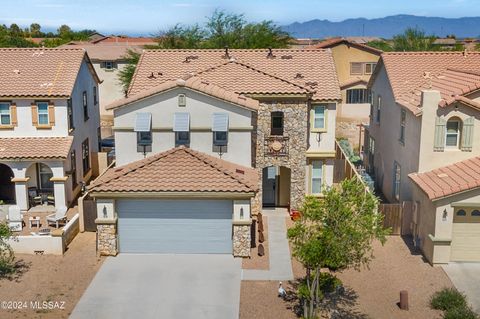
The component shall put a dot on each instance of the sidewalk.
(280, 258)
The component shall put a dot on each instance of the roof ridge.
(237, 50)
(134, 76)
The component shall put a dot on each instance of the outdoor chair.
(15, 218)
(51, 200)
(59, 216)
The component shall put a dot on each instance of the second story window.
(42, 111)
(379, 108)
(5, 116)
(452, 138)
(370, 67)
(396, 181)
(143, 127)
(70, 115)
(356, 68)
(403, 120)
(277, 123)
(181, 127)
(95, 97)
(358, 96)
(85, 105)
(85, 157)
(318, 118)
(220, 129)
(109, 65)
(73, 168)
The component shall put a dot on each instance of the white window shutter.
(467, 134)
(439, 139)
(220, 122)
(181, 122)
(143, 122)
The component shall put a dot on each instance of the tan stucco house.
(425, 116)
(267, 111)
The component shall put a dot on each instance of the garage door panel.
(465, 242)
(175, 226)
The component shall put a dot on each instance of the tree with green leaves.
(381, 45)
(126, 74)
(64, 31)
(35, 30)
(414, 39)
(335, 232)
(182, 37)
(7, 256)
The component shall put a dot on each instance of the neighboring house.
(355, 63)
(425, 115)
(49, 124)
(445, 43)
(302, 43)
(108, 59)
(267, 115)
(135, 41)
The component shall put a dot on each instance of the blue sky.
(150, 16)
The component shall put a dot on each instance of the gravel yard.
(60, 280)
(372, 293)
(256, 261)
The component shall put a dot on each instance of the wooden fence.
(392, 217)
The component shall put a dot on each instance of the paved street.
(466, 277)
(163, 286)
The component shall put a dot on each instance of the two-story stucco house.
(424, 125)
(355, 64)
(269, 115)
(49, 124)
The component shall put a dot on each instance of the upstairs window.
(95, 97)
(358, 96)
(318, 118)
(5, 116)
(276, 123)
(403, 118)
(143, 127)
(452, 137)
(70, 114)
(220, 129)
(356, 68)
(396, 181)
(379, 108)
(85, 105)
(85, 156)
(109, 65)
(181, 127)
(370, 67)
(42, 111)
(73, 168)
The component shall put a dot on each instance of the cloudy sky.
(149, 16)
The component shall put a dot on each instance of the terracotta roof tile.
(39, 72)
(332, 42)
(449, 180)
(105, 52)
(451, 73)
(35, 147)
(193, 83)
(178, 170)
(307, 68)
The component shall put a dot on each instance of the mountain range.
(385, 27)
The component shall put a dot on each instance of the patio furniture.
(37, 200)
(15, 218)
(60, 215)
(34, 220)
(51, 200)
(44, 232)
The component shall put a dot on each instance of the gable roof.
(194, 83)
(306, 68)
(452, 73)
(17, 148)
(333, 42)
(40, 72)
(104, 52)
(178, 170)
(449, 180)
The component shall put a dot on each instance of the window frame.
(9, 106)
(457, 133)
(73, 168)
(71, 123)
(358, 64)
(220, 141)
(321, 177)
(313, 128)
(86, 157)
(85, 106)
(41, 179)
(379, 109)
(111, 67)
(403, 122)
(397, 178)
(144, 138)
(372, 65)
(277, 131)
(362, 96)
(45, 112)
(95, 95)
(179, 141)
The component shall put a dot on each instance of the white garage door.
(466, 235)
(175, 226)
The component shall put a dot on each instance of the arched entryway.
(7, 187)
(276, 186)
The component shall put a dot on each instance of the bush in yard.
(7, 257)
(460, 313)
(448, 298)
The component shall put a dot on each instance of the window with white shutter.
(467, 134)
(220, 129)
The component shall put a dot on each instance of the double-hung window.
(379, 108)
(370, 67)
(318, 121)
(316, 178)
(85, 157)
(73, 168)
(356, 68)
(70, 114)
(85, 105)
(396, 180)
(403, 119)
(143, 127)
(5, 116)
(42, 111)
(181, 127)
(358, 96)
(220, 129)
(277, 123)
(452, 138)
(95, 97)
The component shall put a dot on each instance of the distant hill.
(385, 27)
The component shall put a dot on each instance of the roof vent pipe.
(270, 53)
(227, 55)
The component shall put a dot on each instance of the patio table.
(34, 220)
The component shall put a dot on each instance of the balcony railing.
(276, 146)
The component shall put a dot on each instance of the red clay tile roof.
(39, 72)
(17, 148)
(193, 83)
(307, 68)
(452, 73)
(127, 40)
(178, 170)
(330, 43)
(106, 52)
(449, 180)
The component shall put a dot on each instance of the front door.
(269, 185)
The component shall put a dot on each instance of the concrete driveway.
(466, 278)
(163, 286)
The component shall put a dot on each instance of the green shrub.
(448, 298)
(7, 257)
(328, 282)
(460, 313)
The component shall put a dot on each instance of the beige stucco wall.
(343, 55)
(201, 108)
(110, 89)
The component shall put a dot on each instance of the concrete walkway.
(466, 278)
(280, 259)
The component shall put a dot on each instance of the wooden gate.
(392, 217)
(89, 214)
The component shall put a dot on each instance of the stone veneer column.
(107, 237)
(296, 129)
(241, 238)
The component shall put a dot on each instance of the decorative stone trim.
(241, 240)
(107, 237)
